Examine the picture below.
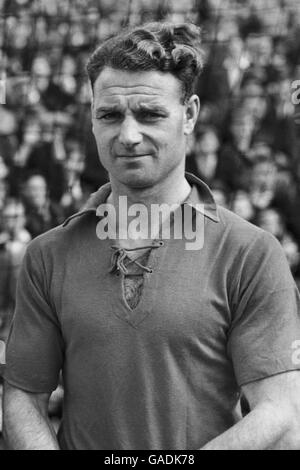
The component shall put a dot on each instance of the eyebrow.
(156, 108)
(152, 107)
(107, 109)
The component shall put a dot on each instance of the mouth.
(132, 155)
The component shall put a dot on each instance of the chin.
(138, 181)
(138, 177)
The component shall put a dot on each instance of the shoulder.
(61, 238)
(252, 250)
(242, 233)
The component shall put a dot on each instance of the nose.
(130, 134)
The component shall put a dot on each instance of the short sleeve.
(265, 313)
(34, 352)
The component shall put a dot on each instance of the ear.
(191, 112)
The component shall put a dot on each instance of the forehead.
(122, 87)
(36, 182)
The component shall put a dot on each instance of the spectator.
(203, 161)
(42, 150)
(13, 215)
(220, 192)
(8, 127)
(16, 239)
(242, 206)
(270, 187)
(41, 213)
(234, 162)
(272, 221)
(73, 197)
(263, 182)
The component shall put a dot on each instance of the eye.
(111, 116)
(149, 115)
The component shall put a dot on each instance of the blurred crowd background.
(247, 141)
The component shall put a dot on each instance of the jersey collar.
(200, 198)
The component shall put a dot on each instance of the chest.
(183, 299)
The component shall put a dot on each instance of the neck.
(173, 190)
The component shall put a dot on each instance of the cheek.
(173, 133)
(176, 138)
(102, 137)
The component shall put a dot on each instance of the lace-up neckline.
(120, 255)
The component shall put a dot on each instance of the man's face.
(264, 175)
(271, 221)
(36, 191)
(242, 127)
(14, 218)
(140, 125)
(208, 144)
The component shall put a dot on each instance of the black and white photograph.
(149, 227)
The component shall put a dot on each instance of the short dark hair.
(165, 47)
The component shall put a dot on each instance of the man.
(15, 239)
(41, 213)
(155, 341)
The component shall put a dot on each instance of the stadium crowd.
(246, 145)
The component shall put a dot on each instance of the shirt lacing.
(120, 255)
